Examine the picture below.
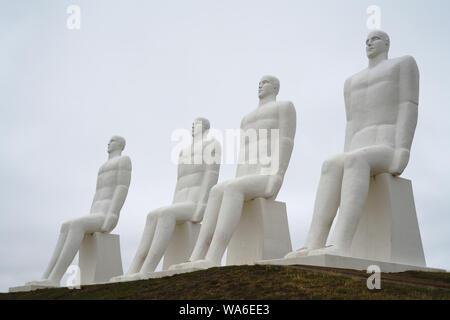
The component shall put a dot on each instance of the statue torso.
(191, 171)
(107, 181)
(257, 127)
(374, 104)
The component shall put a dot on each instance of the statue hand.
(110, 223)
(399, 161)
(274, 185)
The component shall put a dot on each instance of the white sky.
(143, 69)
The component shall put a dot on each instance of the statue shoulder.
(407, 59)
(125, 163)
(215, 142)
(184, 151)
(408, 62)
(359, 74)
(287, 107)
(244, 121)
(214, 149)
(348, 81)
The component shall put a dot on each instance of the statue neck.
(266, 100)
(114, 154)
(373, 62)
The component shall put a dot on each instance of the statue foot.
(126, 277)
(303, 252)
(332, 249)
(180, 266)
(47, 283)
(202, 264)
(116, 279)
(199, 264)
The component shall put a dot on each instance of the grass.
(261, 282)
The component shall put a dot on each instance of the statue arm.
(97, 186)
(209, 180)
(407, 114)
(348, 128)
(288, 122)
(241, 152)
(180, 159)
(119, 195)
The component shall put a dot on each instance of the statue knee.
(71, 226)
(352, 160)
(233, 190)
(65, 227)
(166, 216)
(77, 225)
(153, 216)
(332, 165)
(216, 191)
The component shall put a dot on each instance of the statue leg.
(236, 192)
(77, 229)
(326, 203)
(209, 222)
(359, 166)
(146, 241)
(57, 252)
(168, 217)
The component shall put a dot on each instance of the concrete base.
(341, 262)
(181, 244)
(388, 229)
(26, 288)
(262, 233)
(100, 258)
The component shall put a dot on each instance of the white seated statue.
(381, 106)
(270, 126)
(198, 171)
(113, 182)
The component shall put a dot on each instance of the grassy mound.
(261, 282)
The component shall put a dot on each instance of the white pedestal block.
(100, 258)
(388, 230)
(262, 233)
(333, 261)
(181, 244)
(387, 235)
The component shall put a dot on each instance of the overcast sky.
(142, 69)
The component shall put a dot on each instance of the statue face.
(375, 44)
(197, 128)
(114, 144)
(266, 88)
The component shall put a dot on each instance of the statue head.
(268, 85)
(116, 143)
(200, 126)
(377, 43)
